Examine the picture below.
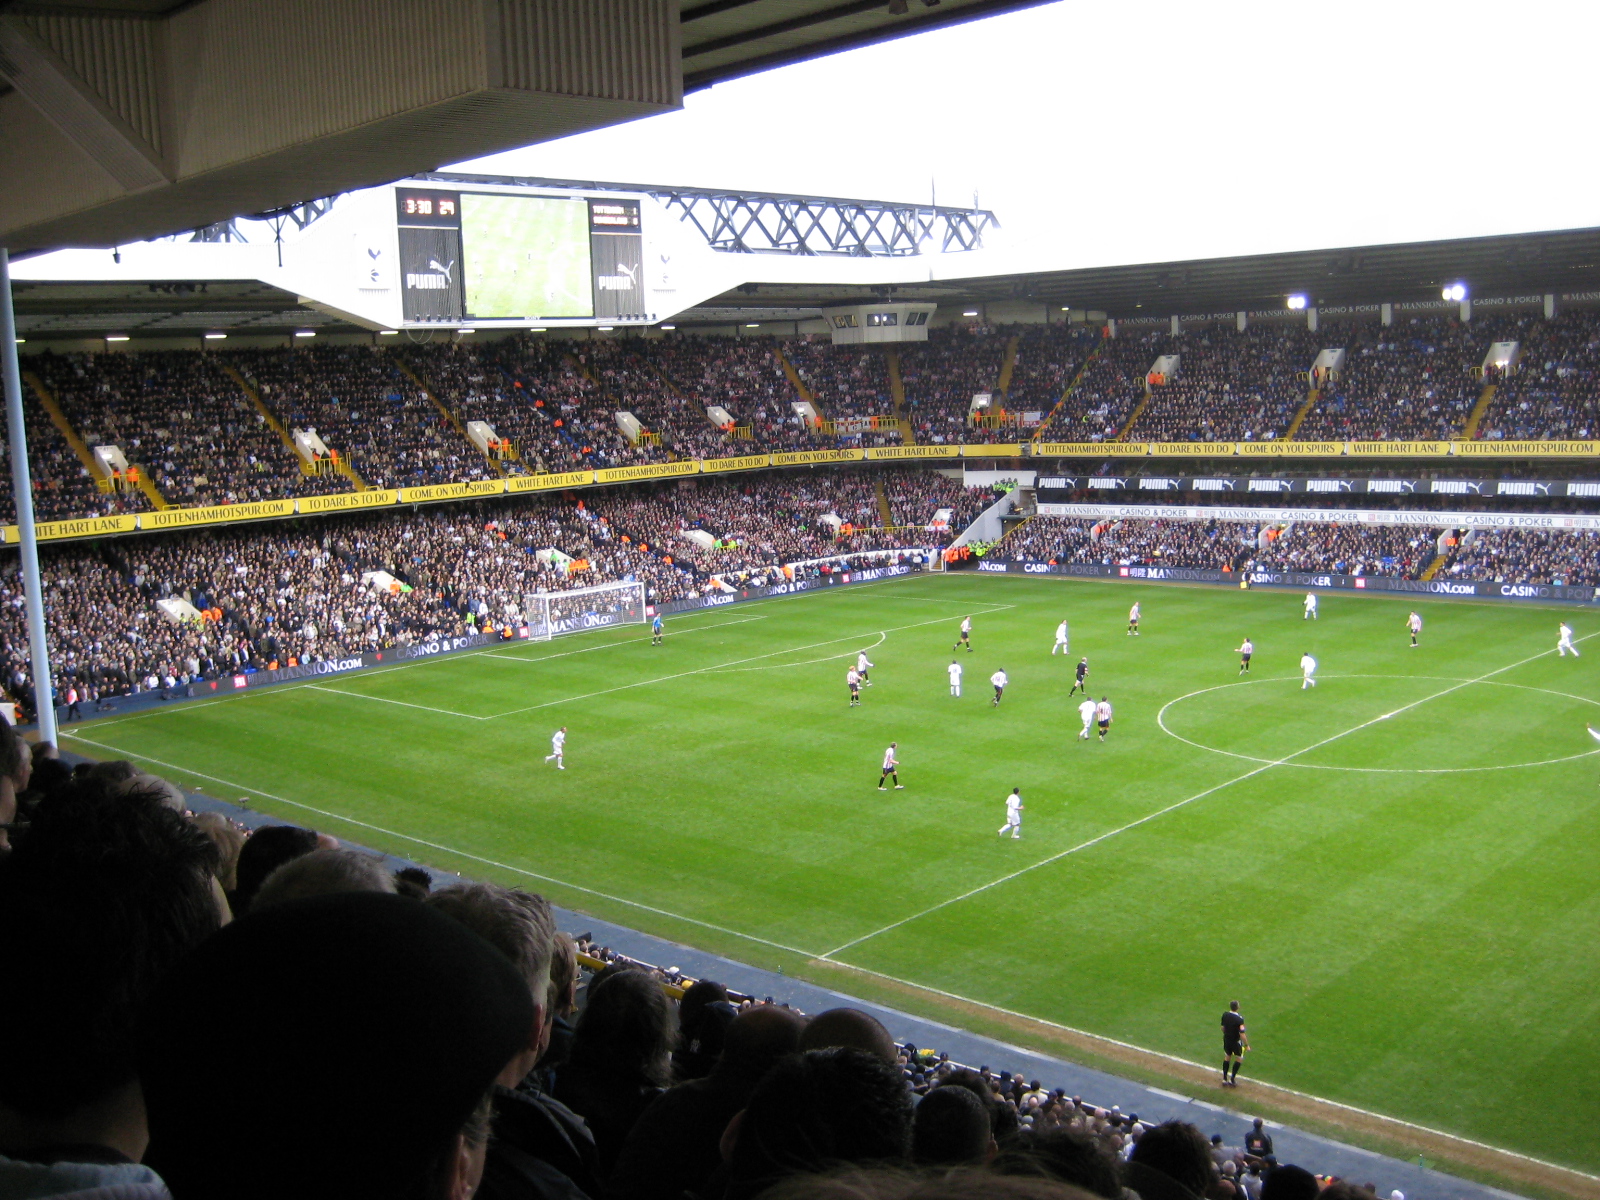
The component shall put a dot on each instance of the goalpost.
(550, 614)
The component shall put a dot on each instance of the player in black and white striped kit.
(891, 769)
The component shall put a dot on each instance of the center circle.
(1161, 721)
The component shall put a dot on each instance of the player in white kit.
(1133, 620)
(558, 745)
(1086, 711)
(955, 677)
(1414, 624)
(999, 680)
(1311, 607)
(1061, 640)
(1013, 814)
(862, 663)
(1565, 644)
(1308, 672)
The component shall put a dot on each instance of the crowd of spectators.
(63, 488)
(1099, 407)
(252, 597)
(178, 415)
(535, 1065)
(1411, 381)
(1048, 358)
(1231, 386)
(1554, 390)
(363, 408)
(1205, 545)
(1397, 551)
(940, 377)
(1528, 556)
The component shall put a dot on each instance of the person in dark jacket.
(675, 1145)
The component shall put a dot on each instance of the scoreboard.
(518, 257)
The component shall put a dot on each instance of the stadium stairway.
(1071, 387)
(58, 418)
(800, 388)
(1133, 418)
(1434, 567)
(410, 373)
(1153, 1104)
(277, 427)
(885, 513)
(1008, 364)
(1312, 397)
(897, 392)
(1479, 410)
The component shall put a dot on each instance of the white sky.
(1151, 131)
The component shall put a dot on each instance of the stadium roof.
(122, 120)
(1563, 263)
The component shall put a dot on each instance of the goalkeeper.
(655, 631)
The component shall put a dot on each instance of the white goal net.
(550, 614)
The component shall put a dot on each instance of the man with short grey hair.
(541, 1148)
(323, 873)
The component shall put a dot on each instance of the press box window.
(882, 319)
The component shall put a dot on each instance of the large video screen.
(525, 257)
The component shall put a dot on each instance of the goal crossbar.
(551, 614)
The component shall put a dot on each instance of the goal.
(550, 614)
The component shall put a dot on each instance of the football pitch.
(1394, 872)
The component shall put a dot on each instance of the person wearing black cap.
(376, 1027)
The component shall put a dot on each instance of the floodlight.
(116, 337)
(215, 337)
(753, 325)
(387, 332)
(1455, 291)
(1297, 302)
(607, 328)
(466, 329)
(970, 313)
(305, 333)
(669, 327)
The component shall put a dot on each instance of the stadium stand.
(1099, 407)
(1231, 386)
(63, 487)
(364, 409)
(1048, 359)
(312, 590)
(941, 375)
(1554, 392)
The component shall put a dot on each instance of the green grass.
(525, 256)
(1420, 941)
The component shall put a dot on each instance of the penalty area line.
(440, 846)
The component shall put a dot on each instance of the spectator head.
(626, 1030)
(563, 974)
(229, 840)
(102, 895)
(519, 925)
(759, 1037)
(815, 1111)
(849, 1027)
(264, 851)
(16, 757)
(413, 882)
(951, 1128)
(323, 873)
(1177, 1150)
(1066, 1155)
(891, 1184)
(377, 1028)
(171, 794)
(1289, 1182)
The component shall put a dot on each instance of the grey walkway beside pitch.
(1291, 1145)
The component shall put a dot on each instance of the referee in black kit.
(1234, 1043)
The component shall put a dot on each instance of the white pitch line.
(107, 722)
(530, 658)
(1111, 833)
(854, 637)
(477, 858)
(447, 712)
(1174, 1058)
(807, 662)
